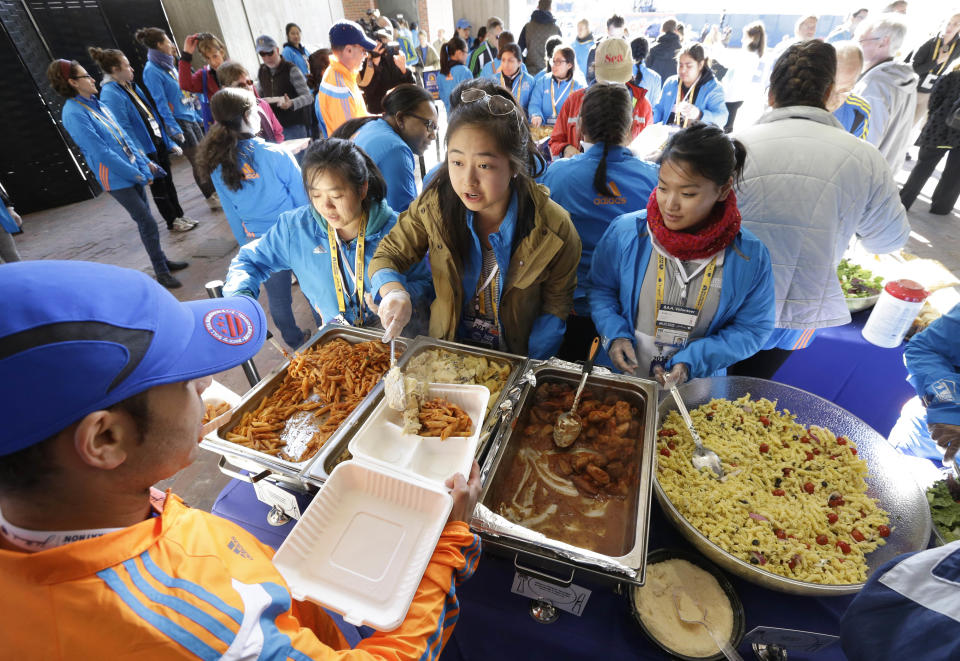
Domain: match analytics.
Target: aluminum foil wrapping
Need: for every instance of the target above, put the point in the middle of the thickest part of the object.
(488, 521)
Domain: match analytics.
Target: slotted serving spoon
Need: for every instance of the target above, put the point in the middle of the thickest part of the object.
(693, 613)
(394, 389)
(702, 457)
(567, 427)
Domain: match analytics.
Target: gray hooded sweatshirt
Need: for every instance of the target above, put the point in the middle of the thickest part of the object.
(891, 89)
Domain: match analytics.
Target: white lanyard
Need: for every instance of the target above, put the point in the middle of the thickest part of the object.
(349, 272)
(563, 92)
(41, 540)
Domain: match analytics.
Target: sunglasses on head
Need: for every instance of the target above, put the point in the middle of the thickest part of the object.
(494, 103)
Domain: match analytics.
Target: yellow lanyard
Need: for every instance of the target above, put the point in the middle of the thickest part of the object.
(359, 268)
(563, 91)
(936, 51)
(114, 129)
(136, 99)
(704, 287)
(688, 97)
(516, 83)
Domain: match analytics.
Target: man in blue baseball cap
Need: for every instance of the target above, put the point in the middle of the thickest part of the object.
(463, 31)
(339, 97)
(102, 371)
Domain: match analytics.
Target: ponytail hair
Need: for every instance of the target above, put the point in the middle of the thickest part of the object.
(758, 38)
(705, 150)
(447, 52)
(605, 117)
(220, 147)
(350, 162)
(108, 59)
(150, 37)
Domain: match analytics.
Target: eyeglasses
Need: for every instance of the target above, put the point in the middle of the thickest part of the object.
(243, 83)
(83, 76)
(429, 123)
(495, 104)
(561, 61)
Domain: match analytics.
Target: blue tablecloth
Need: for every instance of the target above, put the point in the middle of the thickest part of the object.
(841, 366)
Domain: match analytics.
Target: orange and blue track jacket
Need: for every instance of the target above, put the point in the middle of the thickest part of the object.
(190, 585)
(339, 97)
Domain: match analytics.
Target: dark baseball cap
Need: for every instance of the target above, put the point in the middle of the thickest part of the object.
(78, 337)
(348, 33)
(265, 44)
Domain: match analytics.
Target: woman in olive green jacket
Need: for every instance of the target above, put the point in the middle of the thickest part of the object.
(503, 255)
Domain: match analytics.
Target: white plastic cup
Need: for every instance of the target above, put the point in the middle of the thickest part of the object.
(891, 318)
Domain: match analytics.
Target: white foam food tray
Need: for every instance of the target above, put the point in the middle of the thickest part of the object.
(381, 441)
(363, 544)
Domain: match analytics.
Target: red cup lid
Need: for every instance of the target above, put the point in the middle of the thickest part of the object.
(907, 290)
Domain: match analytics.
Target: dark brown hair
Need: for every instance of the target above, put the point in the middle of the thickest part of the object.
(696, 53)
(349, 161)
(758, 38)
(804, 75)
(60, 82)
(570, 57)
(107, 59)
(150, 37)
(401, 100)
(220, 147)
(447, 52)
(319, 60)
(605, 116)
(512, 139)
(706, 150)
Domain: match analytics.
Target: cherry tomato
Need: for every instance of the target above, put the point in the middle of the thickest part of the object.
(665, 452)
(831, 517)
(780, 533)
(808, 487)
(805, 440)
(793, 563)
(779, 492)
(787, 471)
(667, 432)
(844, 547)
(816, 450)
(857, 535)
(765, 420)
(809, 456)
(822, 540)
(764, 447)
(853, 450)
(883, 530)
(841, 440)
(671, 445)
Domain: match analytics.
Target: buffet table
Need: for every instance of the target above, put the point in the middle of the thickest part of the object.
(841, 366)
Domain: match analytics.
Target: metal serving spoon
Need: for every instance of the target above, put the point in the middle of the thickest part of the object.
(567, 427)
(702, 457)
(394, 389)
(694, 613)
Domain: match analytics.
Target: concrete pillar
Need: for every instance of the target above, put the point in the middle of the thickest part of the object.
(513, 12)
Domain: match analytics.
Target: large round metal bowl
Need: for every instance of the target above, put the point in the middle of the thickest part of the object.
(897, 492)
(855, 304)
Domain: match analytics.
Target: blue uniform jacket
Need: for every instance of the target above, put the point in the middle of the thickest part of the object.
(582, 50)
(854, 114)
(522, 87)
(299, 242)
(709, 100)
(541, 103)
(124, 110)
(933, 363)
(272, 184)
(745, 314)
(460, 73)
(101, 146)
(570, 181)
(648, 79)
(164, 87)
(908, 609)
(394, 158)
(295, 57)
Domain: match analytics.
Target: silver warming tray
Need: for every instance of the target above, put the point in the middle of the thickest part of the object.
(536, 550)
(290, 474)
(894, 488)
(321, 469)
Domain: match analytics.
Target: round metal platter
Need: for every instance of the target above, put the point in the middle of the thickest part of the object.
(896, 491)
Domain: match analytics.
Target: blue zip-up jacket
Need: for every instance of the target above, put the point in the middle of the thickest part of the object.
(521, 89)
(648, 79)
(709, 100)
(582, 50)
(272, 184)
(101, 147)
(570, 181)
(121, 105)
(907, 609)
(745, 314)
(933, 363)
(854, 114)
(295, 57)
(164, 87)
(541, 104)
(394, 158)
(460, 73)
(299, 242)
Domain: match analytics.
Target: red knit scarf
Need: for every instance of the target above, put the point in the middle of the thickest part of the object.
(720, 230)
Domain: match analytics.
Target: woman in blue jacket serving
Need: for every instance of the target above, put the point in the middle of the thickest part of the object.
(119, 164)
(680, 290)
(693, 94)
(138, 118)
(257, 181)
(512, 77)
(328, 243)
(549, 92)
(621, 183)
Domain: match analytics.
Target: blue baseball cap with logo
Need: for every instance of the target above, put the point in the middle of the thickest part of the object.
(348, 33)
(463, 23)
(78, 337)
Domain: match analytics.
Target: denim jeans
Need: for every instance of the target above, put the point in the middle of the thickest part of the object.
(279, 291)
(134, 200)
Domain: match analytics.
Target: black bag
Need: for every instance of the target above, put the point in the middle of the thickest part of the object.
(952, 119)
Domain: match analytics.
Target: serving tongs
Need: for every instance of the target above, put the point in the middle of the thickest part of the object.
(702, 457)
(568, 425)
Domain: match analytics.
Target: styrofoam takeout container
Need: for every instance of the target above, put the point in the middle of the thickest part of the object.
(363, 544)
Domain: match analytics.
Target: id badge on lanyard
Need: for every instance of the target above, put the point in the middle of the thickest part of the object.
(675, 323)
(476, 328)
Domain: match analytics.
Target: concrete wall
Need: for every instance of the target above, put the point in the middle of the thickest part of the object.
(240, 22)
